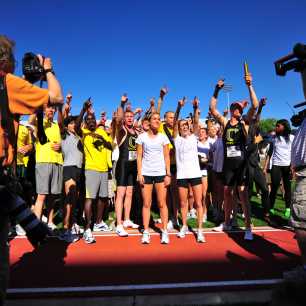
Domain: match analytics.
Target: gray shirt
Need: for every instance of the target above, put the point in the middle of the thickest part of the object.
(71, 153)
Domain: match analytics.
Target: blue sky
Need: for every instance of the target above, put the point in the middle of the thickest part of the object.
(105, 48)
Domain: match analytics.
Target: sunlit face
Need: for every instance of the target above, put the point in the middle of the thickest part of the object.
(236, 113)
(202, 134)
(212, 132)
(71, 127)
(129, 119)
(91, 122)
(169, 119)
(49, 112)
(145, 125)
(184, 128)
(279, 128)
(154, 122)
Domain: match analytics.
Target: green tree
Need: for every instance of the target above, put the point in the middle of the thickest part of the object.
(267, 125)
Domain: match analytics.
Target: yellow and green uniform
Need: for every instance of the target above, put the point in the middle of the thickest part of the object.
(45, 153)
(23, 139)
(97, 157)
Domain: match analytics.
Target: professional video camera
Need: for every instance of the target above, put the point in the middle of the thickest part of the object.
(296, 61)
(32, 70)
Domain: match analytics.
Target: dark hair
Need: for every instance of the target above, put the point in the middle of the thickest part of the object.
(7, 59)
(287, 129)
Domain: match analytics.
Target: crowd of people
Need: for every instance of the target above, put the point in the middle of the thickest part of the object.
(92, 165)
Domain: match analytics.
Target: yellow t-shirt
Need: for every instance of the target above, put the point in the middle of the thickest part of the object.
(44, 153)
(96, 155)
(23, 139)
(171, 149)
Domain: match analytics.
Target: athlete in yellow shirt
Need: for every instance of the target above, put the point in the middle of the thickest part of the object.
(96, 143)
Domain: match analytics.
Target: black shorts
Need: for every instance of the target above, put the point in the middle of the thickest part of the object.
(192, 181)
(126, 173)
(235, 172)
(72, 172)
(153, 179)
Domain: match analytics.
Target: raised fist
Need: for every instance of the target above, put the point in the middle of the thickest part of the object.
(248, 79)
(163, 91)
(124, 98)
(220, 83)
(152, 102)
(263, 101)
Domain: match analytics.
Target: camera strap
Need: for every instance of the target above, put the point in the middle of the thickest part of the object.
(7, 121)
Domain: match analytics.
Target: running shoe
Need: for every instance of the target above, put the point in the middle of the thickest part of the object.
(88, 237)
(145, 239)
(164, 237)
(67, 236)
(52, 227)
(200, 236)
(248, 235)
(130, 224)
(101, 227)
(76, 229)
(287, 213)
(170, 226)
(19, 230)
(222, 228)
(193, 213)
(120, 231)
(182, 233)
(272, 211)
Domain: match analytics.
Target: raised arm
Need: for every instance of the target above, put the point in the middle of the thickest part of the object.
(180, 104)
(254, 101)
(162, 94)
(120, 111)
(67, 107)
(213, 104)
(196, 115)
(86, 106)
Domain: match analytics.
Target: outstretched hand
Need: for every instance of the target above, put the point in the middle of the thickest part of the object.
(152, 102)
(196, 102)
(182, 102)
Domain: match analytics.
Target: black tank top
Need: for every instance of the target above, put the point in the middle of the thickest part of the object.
(127, 150)
(234, 140)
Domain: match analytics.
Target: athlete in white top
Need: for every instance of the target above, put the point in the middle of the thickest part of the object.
(188, 169)
(153, 168)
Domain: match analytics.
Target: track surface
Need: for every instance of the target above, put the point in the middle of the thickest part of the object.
(224, 258)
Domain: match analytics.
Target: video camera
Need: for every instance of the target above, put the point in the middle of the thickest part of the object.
(294, 61)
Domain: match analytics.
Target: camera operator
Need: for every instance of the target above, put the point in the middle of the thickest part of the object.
(298, 205)
(17, 97)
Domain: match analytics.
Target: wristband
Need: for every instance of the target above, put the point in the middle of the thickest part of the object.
(216, 91)
(49, 70)
(122, 104)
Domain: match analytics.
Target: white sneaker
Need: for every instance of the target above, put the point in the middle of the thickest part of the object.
(222, 228)
(204, 218)
(120, 231)
(19, 230)
(101, 227)
(200, 236)
(145, 239)
(130, 224)
(52, 226)
(76, 229)
(193, 213)
(248, 235)
(164, 237)
(183, 231)
(170, 226)
(88, 237)
(68, 236)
